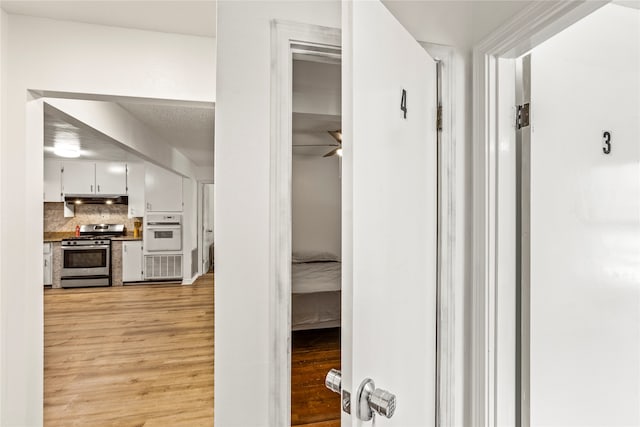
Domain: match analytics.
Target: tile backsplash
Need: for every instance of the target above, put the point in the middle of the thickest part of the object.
(54, 220)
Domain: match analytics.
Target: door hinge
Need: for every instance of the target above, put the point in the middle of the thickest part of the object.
(439, 118)
(522, 116)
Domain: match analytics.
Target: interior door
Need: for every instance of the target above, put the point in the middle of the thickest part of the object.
(585, 224)
(389, 208)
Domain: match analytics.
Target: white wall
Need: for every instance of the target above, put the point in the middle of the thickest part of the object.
(585, 224)
(59, 56)
(316, 88)
(3, 136)
(242, 202)
(316, 204)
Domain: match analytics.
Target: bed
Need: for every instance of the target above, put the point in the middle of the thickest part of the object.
(316, 291)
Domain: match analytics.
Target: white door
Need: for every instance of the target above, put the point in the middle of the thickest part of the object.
(163, 189)
(389, 205)
(111, 178)
(132, 261)
(207, 223)
(585, 224)
(78, 178)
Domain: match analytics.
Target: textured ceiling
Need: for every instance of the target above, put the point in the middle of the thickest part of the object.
(181, 17)
(189, 129)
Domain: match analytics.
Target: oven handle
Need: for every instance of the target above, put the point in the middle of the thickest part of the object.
(172, 224)
(85, 247)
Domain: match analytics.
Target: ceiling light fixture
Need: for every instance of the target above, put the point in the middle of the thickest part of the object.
(66, 151)
(66, 146)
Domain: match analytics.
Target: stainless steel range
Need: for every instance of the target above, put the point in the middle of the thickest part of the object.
(86, 260)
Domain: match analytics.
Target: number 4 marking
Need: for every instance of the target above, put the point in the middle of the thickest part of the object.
(606, 140)
(403, 103)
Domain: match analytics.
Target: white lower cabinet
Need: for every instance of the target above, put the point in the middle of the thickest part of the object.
(47, 266)
(132, 261)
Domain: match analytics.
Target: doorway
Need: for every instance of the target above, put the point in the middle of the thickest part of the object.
(71, 317)
(316, 237)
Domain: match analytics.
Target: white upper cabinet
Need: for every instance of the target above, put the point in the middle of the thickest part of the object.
(79, 178)
(52, 180)
(111, 178)
(135, 190)
(163, 189)
(107, 178)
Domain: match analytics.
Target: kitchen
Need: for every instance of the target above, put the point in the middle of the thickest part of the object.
(111, 217)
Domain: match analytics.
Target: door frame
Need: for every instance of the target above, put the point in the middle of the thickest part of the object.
(202, 251)
(287, 37)
(494, 353)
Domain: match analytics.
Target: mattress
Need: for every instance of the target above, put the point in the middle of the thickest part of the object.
(310, 277)
(316, 295)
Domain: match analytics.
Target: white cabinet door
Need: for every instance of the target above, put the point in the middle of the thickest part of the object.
(47, 266)
(389, 215)
(52, 180)
(78, 178)
(132, 261)
(135, 189)
(163, 189)
(111, 178)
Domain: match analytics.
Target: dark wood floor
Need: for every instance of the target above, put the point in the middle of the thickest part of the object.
(143, 356)
(314, 353)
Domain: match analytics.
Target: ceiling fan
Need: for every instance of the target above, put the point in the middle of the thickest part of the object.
(337, 135)
(337, 151)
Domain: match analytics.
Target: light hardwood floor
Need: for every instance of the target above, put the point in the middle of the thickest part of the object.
(143, 356)
(129, 356)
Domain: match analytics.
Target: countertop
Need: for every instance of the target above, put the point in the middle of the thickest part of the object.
(58, 236)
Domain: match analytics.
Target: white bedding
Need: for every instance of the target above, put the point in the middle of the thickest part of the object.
(313, 277)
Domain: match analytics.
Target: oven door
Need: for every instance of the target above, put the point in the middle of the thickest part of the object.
(85, 261)
(163, 238)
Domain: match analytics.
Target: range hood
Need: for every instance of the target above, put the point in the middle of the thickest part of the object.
(92, 199)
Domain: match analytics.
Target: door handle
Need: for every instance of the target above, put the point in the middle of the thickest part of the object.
(371, 400)
(333, 382)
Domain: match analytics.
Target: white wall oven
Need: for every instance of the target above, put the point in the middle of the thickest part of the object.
(163, 233)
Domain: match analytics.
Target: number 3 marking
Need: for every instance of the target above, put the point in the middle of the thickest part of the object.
(607, 142)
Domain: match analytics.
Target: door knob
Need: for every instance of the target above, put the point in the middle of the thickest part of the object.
(333, 381)
(371, 400)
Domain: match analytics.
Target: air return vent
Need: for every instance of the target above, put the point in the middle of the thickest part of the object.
(163, 267)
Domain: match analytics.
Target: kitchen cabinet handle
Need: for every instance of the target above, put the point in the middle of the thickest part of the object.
(92, 188)
(98, 188)
(45, 262)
